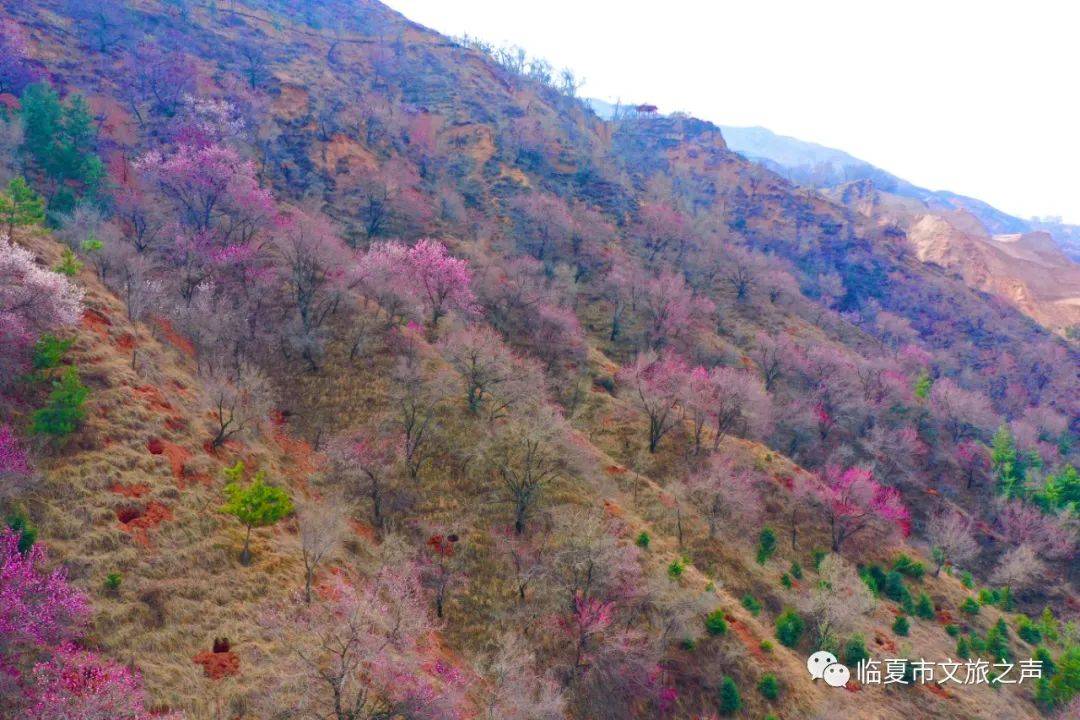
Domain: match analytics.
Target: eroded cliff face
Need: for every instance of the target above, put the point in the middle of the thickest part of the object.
(1027, 270)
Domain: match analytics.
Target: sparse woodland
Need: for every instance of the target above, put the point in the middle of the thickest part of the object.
(349, 371)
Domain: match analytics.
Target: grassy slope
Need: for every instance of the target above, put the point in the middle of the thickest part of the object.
(190, 557)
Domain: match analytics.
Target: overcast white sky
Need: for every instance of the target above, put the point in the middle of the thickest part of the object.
(975, 97)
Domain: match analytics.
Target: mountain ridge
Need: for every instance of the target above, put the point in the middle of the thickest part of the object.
(526, 316)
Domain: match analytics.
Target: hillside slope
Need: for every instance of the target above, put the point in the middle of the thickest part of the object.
(561, 374)
(1027, 269)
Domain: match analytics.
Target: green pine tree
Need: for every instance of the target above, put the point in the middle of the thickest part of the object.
(923, 384)
(256, 505)
(730, 700)
(61, 139)
(1005, 462)
(64, 411)
(20, 206)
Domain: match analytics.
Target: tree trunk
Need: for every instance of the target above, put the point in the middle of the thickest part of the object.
(245, 554)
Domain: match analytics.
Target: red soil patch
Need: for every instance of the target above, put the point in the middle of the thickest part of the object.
(217, 665)
(747, 638)
(885, 643)
(96, 321)
(138, 520)
(126, 342)
(156, 446)
(853, 687)
(614, 470)
(154, 398)
(363, 530)
(932, 491)
(136, 490)
(945, 617)
(174, 338)
(612, 509)
(128, 514)
(176, 424)
(178, 458)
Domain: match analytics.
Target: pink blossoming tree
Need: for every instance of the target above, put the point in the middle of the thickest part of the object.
(33, 301)
(657, 386)
(855, 502)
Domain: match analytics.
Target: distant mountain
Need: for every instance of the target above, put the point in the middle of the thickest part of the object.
(1029, 263)
(811, 164)
(818, 166)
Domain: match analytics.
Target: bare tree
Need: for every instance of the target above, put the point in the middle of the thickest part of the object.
(951, 539)
(1020, 569)
(358, 655)
(418, 395)
(518, 688)
(238, 400)
(366, 465)
(838, 601)
(724, 495)
(525, 458)
(321, 524)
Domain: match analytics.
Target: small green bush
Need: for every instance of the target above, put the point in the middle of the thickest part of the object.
(967, 580)
(1028, 631)
(69, 264)
(643, 540)
(901, 626)
(907, 566)
(997, 641)
(1048, 665)
(730, 700)
(963, 648)
(1048, 624)
(751, 604)
(676, 568)
(855, 650)
(49, 352)
(924, 607)
(785, 580)
(789, 628)
(796, 570)
(817, 555)
(113, 581)
(715, 623)
(64, 411)
(766, 646)
(766, 545)
(21, 526)
(969, 606)
(874, 578)
(952, 630)
(769, 686)
(91, 244)
(894, 587)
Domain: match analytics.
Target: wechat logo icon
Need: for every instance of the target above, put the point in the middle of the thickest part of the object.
(823, 665)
